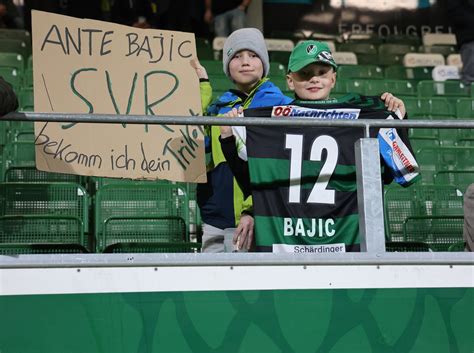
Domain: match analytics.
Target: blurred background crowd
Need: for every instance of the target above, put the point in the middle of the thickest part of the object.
(182, 15)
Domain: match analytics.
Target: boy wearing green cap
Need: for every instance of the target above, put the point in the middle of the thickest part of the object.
(312, 76)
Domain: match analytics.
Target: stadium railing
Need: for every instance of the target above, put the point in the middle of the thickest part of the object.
(369, 200)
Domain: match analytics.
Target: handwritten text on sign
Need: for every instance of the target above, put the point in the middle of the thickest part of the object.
(86, 66)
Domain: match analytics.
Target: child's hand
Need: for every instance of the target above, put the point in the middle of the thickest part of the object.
(234, 112)
(243, 236)
(393, 103)
(226, 131)
(200, 70)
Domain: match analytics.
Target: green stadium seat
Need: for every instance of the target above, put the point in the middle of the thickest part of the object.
(396, 87)
(366, 52)
(141, 213)
(444, 50)
(28, 79)
(364, 38)
(99, 182)
(464, 157)
(465, 108)
(44, 213)
(448, 137)
(21, 125)
(360, 71)
(411, 104)
(432, 89)
(21, 135)
(399, 72)
(459, 178)
(466, 142)
(12, 76)
(440, 200)
(33, 234)
(4, 127)
(340, 87)
(153, 247)
(29, 63)
(399, 204)
(33, 175)
(419, 202)
(18, 34)
(26, 99)
(41, 248)
(404, 39)
(436, 159)
(422, 142)
(367, 59)
(12, 60)
(392, 54)
(420, 116)
(439, 232)
(436, 106)
(457, 247)
(355, 86)
(103, 181)
(16, 46)
(52, 199)
(466, 137)
(204, 49)
(277, 69)
(281, 57)
(19, 154)
(163, 234)
(345, 58)
(400, 87)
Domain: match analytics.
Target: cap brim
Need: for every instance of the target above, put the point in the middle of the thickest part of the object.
(308, 61)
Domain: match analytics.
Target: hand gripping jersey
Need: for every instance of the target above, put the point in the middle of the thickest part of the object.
(304, 179)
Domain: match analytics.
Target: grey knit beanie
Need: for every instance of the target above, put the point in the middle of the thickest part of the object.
(245, 39)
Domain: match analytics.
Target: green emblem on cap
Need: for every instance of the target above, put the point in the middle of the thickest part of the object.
(230, 51)
(311, 49)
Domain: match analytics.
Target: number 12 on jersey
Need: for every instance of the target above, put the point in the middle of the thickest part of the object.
(319, 193)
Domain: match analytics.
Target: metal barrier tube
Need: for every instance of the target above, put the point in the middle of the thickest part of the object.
(247, 121)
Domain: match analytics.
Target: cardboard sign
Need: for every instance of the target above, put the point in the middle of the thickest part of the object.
(94, 67)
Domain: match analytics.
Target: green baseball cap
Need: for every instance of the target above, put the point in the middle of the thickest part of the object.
(308, 52)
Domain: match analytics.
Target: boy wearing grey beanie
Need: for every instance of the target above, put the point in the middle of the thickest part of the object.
(225, 212)
(250, 39)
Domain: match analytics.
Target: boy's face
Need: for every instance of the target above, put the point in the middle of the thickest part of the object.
(313, 82)
(246, 69)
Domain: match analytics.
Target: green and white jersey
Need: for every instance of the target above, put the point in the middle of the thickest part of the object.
(304, 179)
